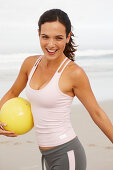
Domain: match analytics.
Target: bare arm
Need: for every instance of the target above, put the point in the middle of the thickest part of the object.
(18, 85)
(14, 91)
(82, 90)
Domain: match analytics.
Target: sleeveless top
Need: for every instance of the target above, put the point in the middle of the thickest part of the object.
(51, 110)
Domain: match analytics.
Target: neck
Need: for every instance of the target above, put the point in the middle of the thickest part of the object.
(51, 64)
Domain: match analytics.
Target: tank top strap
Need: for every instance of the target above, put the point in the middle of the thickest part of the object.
(61, 64)
(34, 67)
(64, 65)
(37, 61)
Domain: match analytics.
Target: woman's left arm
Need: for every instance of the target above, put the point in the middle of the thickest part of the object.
(83, 91)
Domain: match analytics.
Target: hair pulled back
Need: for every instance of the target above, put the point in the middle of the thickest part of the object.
(59, 15)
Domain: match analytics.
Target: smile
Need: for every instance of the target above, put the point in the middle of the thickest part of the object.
(51, 52)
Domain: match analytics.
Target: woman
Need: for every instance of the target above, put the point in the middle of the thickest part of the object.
(51, 82)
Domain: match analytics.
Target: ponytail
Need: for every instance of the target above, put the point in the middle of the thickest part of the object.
(70, 48)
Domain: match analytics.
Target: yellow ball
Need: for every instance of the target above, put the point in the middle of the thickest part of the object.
(16, 113)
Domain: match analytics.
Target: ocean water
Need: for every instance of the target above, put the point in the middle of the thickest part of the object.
(98, 65)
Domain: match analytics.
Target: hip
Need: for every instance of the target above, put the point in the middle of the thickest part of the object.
(70, 154)
(46, 148)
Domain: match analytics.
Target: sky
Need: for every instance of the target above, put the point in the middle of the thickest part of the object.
(91, 20)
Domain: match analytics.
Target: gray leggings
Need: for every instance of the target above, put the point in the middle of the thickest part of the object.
(68, 156)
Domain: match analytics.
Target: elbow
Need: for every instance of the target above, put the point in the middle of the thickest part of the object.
(98, 115)
(6, 97)
(12, 93)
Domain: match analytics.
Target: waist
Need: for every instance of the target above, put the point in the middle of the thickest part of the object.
(49, 140)
(46, 148)
(65, 141)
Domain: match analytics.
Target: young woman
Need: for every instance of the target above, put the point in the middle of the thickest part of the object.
(51, 82)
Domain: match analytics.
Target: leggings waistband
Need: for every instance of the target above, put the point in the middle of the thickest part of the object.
(64, 147)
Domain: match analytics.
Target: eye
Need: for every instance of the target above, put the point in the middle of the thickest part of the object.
(59, 38)
(45, 37)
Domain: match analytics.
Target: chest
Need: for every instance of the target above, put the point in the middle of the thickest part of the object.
(41, 78)
(49, 95)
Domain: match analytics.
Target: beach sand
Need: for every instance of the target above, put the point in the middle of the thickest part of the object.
(22, 153)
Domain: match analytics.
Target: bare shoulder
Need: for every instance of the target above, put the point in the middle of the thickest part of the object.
(75, 70)
(76, 73)
(29, 62)
(31, 59)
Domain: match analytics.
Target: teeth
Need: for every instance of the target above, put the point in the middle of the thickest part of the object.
(51, 51)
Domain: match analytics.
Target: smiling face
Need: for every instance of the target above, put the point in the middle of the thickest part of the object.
(53, 39)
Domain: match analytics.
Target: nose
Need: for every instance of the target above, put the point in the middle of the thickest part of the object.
(51, 43)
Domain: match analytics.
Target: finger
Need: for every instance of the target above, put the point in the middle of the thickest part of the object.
(2, 124)
(6, 133)
(9, 135)
(1, 127)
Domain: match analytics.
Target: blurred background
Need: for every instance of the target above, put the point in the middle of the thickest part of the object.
(92, 22)
(92, 25)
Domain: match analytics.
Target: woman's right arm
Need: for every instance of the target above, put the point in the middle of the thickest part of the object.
(15, 90)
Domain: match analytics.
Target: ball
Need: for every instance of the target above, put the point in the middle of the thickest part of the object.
(16, 113)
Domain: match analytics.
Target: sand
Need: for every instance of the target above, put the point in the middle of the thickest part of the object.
(22, 153)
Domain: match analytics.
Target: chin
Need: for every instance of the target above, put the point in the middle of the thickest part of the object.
(51, 57)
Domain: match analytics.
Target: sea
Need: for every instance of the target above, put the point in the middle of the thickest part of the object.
(22, 152)
(97, 64)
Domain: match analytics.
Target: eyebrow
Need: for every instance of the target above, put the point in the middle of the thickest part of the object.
(59, 35)
(55, 36)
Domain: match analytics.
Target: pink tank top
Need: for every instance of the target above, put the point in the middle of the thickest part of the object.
(51, 111)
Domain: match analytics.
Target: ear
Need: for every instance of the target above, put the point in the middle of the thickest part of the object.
(68, 38)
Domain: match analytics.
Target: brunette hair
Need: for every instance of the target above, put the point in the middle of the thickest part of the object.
(62, 17)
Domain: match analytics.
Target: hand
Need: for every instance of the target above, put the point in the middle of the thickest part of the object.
(6, 133)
